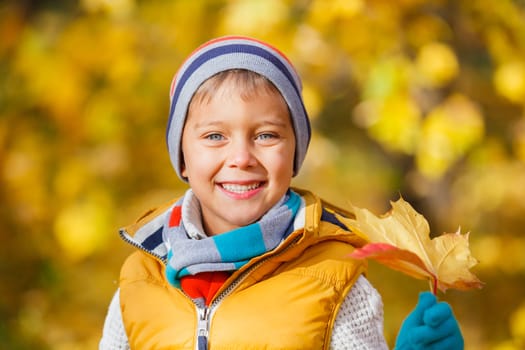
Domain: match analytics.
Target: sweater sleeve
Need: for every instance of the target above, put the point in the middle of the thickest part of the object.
(359, 323)
(114, 335)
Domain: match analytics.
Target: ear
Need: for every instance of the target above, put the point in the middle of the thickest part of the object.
(183, 167)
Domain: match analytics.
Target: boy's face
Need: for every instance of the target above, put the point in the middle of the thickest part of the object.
(238, 156)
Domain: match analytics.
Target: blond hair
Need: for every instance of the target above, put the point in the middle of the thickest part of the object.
(247, 83)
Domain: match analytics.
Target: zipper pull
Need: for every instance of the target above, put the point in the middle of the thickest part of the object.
(203, 328)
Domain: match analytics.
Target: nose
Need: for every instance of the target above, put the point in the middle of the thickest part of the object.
(241, 155)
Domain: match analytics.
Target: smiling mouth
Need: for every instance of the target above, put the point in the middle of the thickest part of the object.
(236, 188)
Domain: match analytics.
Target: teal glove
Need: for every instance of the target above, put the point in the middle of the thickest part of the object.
(430, 326)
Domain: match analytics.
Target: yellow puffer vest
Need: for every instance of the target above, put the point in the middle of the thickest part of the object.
(285, 299)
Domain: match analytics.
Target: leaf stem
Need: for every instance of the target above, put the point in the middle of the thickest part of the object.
(434, 281)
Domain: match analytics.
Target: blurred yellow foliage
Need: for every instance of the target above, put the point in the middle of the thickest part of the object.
(54, 83)
(24, 176)
(252, 17)
(312, 100)
(397, 124)
(517, 330)
(426, 29)
(448, 132)
(420, 98)
(81, 227)
(325, 12)
(519, 139)
(517, 325)
(437, 64)
(113, 7)
(509, 81)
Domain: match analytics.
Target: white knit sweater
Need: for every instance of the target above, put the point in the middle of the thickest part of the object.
(358, 326)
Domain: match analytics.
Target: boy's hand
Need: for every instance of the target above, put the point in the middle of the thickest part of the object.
(430, 326)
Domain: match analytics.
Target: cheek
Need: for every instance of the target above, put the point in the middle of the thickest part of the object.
(191, 158)
(199, 163)
(289, 158)
(282, 164)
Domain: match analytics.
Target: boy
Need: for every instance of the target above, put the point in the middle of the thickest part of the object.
(242, 261)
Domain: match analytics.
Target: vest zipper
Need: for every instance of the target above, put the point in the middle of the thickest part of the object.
(203, 327)
(205, 314)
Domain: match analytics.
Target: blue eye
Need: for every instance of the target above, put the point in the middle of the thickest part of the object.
(266, 136)
(215, 137)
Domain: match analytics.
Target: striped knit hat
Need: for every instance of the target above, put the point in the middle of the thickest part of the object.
(235, 52)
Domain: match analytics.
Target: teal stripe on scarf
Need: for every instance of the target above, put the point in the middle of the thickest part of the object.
(248, 242)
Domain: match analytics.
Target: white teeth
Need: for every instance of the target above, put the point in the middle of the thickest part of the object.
(240, 188)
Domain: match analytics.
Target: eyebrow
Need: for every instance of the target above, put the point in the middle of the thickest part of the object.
(268, 121)
(276, 122)
(207, 123)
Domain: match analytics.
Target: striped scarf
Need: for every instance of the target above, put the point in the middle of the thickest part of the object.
(191, 252)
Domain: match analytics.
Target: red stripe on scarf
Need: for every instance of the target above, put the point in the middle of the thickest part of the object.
(203, 285)
(176, 215)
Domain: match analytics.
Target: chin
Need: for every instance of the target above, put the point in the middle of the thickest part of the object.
(240, 222)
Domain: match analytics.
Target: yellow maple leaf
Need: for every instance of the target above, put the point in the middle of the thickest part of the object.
(400, 240)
